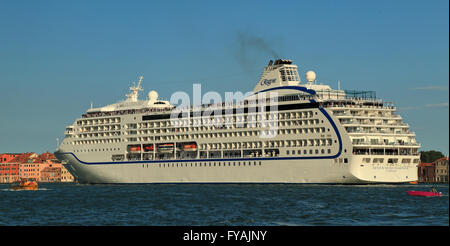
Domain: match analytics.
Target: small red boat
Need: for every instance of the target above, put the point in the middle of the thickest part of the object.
(423, 193)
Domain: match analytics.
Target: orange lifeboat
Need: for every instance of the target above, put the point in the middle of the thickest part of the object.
(135, 148)
(25, 185)
(148, 148)
(190, 147)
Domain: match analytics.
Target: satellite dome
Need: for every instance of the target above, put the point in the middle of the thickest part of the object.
(152, 96)
(310, 76)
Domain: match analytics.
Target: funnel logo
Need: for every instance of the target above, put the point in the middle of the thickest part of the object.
(268, 82)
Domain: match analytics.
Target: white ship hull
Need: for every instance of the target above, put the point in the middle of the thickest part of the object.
(321, 171)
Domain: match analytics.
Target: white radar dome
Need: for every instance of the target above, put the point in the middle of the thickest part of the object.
(152, 95)
(310, 76)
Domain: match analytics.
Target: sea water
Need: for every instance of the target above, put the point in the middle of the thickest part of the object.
(223, 205)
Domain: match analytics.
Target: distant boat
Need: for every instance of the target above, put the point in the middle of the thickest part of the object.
(413, 182)
(24, 185)
(423, 193)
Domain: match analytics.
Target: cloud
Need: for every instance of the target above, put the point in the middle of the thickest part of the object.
(408, 108)
(431, 88)
(437, 105)
(434, 105)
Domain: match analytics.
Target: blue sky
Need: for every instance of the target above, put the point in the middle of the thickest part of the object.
(58, 56)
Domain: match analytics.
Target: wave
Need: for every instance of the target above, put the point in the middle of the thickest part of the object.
(8, 189)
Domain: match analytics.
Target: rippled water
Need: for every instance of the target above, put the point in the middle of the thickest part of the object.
(223, 204)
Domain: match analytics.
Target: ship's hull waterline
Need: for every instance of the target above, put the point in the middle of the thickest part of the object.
(236, 171)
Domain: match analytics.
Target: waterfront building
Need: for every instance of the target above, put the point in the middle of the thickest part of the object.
(10, 166)
(9, 172)
(426, 172)
(42, 168)
(50, 174)
(6, 157)
(27, 170)
(435, 172)
(441, 168)
(65, 175)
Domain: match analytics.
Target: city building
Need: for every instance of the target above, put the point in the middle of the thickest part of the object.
(9, 172)
(435, 172)
(50, 174)
(5, 158)
(441, 170)
(42, 168)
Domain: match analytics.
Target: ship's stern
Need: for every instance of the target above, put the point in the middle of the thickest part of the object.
(384, 168)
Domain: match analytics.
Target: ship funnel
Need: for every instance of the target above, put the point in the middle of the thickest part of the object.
(279, 73)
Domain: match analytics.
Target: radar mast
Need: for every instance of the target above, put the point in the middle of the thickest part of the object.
(133, 95)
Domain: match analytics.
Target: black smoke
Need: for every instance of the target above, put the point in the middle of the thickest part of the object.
(251, 47)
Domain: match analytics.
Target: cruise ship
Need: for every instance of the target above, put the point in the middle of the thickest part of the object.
(284, 131)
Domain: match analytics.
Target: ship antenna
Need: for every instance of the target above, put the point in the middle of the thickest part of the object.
(133, 96)
(139, 82)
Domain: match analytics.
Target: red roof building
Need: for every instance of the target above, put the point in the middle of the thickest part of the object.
(9, 172)
(435, 172)
(42, 168)
(5, 158)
